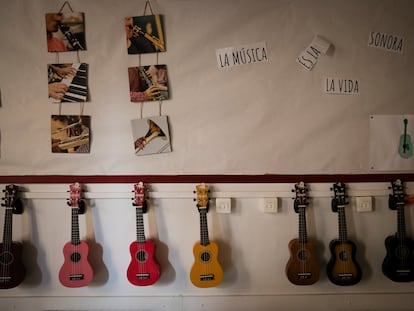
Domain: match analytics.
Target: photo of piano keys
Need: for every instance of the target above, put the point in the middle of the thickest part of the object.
(70, 133)
(68, 82)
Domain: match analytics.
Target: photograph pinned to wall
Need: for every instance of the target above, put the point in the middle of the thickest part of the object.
(391, 142)
(147, 83)
(151, 135)
(144, 34)
(65, 31)
(68, 82)
(70, 133)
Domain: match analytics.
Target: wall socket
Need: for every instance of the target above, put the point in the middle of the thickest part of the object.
(223, 205)
(364, 204)
(269, 205)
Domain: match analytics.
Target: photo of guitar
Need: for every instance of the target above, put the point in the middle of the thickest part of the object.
(302, 267)
(405, 148)
(76, 270)
(398, 264)
(143, 269)
(342, 268)
(206, 270)
(12, 271)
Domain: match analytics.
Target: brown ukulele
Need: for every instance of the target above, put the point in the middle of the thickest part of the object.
(302, 267)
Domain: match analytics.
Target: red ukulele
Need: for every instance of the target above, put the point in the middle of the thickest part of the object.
(143, 269)
(76, 270)
(12, 271)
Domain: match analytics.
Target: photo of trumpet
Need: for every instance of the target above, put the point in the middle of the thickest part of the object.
(156, 138)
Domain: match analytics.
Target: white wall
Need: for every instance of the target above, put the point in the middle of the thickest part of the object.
(264, 118)
(253, 249)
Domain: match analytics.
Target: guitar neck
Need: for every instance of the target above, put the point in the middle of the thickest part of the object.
(343, 235)
(75, 239)
(204, 240)
(140, 225)
(303, 236)
(8, 226)
(401, 221)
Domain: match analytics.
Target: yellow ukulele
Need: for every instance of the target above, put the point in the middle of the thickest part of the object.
(206, 270)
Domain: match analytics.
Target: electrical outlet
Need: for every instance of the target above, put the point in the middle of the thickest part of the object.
(269, 205)
(364, 204)
(223, 205)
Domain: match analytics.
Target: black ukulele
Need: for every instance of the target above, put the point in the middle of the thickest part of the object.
(398, 264)
(12, 271)
(342, 268)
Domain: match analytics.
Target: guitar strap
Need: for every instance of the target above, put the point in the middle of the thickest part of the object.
(152, 222)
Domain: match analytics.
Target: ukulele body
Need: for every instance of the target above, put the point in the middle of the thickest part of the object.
(342, 268)
(398, 264)
(12, 271)
(143, 269)
(76, 270)
(206, 270)
(302, 267)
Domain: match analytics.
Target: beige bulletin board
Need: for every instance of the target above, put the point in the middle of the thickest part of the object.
(272, 116)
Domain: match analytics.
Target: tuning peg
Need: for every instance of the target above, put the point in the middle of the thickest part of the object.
(68, 202)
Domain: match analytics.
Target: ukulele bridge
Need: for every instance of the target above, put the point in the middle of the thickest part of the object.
(143, 276)
(207, 277)
(76, 277)
(345, 276)
(304, 275)
(5, 279)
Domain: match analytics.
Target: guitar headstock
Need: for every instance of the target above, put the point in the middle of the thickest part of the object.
(397, 198)
(301, 199)
(202, 191)
(11, 199)
(75, 199)
(139, 199)
(340, 197)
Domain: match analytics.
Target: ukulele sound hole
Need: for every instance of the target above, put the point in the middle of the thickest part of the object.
(205, 256)
(75, 257)
(343, 255)
(6, 258)
(401, 252)
(141, 256)
(303, 255)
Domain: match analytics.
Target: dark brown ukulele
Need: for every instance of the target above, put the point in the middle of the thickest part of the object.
(12, 271)
(302, 267)
(342, 268)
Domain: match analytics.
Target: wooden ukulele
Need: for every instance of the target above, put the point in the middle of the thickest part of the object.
(398, 264)
(12, 271)
(302, 267)
(76, 270)
(143, 269)
(206, 270)
(342, 268)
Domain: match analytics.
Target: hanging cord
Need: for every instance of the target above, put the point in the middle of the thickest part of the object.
(141, 106)
(148, 4)
(64, 4)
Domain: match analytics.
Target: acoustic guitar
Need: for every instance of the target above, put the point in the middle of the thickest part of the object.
(398, 264)
(206, 270)
(143, 269)
(76, 270)
(343, 268)
(302, 267)
(12, 271)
